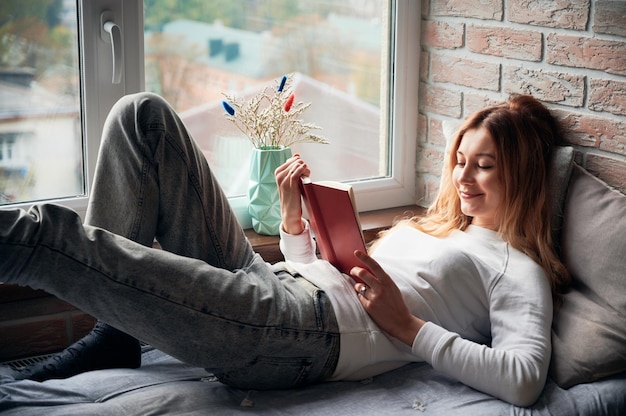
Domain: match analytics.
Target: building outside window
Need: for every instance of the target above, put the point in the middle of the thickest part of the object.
(40, 141)
(344, 58)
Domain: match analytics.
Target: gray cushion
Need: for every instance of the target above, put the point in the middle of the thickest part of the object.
(589, 329)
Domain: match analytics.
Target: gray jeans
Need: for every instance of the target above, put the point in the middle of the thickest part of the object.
(206, 298)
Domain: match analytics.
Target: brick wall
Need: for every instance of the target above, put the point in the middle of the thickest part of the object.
(33, 322)
(570, 54)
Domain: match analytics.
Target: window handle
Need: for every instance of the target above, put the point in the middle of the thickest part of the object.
(111, 33)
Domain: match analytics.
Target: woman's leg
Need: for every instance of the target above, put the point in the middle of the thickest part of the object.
(252, 326)
(186, 307)
(127, 201)
(152, 181)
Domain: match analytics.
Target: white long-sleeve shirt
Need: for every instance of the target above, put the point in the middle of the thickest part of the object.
(487, 307)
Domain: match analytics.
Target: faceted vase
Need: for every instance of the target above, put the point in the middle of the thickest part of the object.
(263, 199)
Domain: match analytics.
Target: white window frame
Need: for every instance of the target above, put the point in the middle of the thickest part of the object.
(399, 188)
(99, 94)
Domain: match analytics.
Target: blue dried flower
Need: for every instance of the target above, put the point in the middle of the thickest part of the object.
(282, 84)
(228, 108)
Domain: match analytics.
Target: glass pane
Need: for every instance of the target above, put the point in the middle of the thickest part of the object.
(336, 51)
(40, 132)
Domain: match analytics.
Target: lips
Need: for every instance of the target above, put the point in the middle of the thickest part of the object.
(469, 195)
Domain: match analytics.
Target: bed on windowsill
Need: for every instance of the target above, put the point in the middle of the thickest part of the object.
(587, 374)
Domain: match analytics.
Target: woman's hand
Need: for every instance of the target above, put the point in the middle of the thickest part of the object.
(383, 301)
(288, 179)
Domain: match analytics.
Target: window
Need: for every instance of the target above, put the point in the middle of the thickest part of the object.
(41, 149)
(355, 61)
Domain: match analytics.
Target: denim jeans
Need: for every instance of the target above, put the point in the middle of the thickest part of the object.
(206, 298)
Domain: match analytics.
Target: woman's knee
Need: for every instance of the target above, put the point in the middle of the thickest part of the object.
(131, 102)
(144, 108)
(135, 118)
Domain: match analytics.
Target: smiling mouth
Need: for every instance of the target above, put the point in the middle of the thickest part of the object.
(467, 195)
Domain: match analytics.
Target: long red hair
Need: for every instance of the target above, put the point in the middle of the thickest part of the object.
(525, 133)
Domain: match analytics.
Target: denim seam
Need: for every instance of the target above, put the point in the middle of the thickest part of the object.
(198, 190)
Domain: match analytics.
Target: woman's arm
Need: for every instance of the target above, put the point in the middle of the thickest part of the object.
(513, 368)
(288, 180)
(296, 241)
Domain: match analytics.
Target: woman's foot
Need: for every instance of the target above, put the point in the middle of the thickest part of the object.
(104, 347)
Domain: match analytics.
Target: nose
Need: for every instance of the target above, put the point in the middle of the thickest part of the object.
(465, 174)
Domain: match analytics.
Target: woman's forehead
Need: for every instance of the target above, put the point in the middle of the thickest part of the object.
(477, 142)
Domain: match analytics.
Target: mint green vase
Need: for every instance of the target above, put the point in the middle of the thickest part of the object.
(263, 199)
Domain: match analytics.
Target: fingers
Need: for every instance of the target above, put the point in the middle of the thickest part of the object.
(371, 278)
(292, 170)
(371, 265)
(288, 178)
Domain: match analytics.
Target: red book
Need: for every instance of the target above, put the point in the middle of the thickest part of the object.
(334, 218)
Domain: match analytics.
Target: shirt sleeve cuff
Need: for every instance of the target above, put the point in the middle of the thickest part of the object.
(299, 248)
(428, 340)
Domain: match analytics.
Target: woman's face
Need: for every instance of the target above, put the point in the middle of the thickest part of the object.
(477, 179)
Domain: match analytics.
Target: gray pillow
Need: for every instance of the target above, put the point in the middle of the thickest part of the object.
(589, 329)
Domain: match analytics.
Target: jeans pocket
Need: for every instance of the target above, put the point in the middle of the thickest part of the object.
(265, 373)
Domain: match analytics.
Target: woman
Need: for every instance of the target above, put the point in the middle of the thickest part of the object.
(467, 288)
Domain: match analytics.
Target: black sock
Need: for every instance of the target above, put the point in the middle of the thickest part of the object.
(104, 347)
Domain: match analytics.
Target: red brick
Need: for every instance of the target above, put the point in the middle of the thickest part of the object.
(504, 42)
(467, 72)
(425, 8)
(33, 307)
(600, 132)
(584, 52)
(566, 14)
(422, 129)
(435, 133)
(426, 189)
(610, 170)
(614, 138)
(424, 65)
(480, 9)
(429, 160)
(443, 35)
(421, 196)
(554, 87)
(476, 102)
(432, 188)
(32, 338)
(440, 100)
(607, 95)
(81, 325)
(610, 17)
(575, 134)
